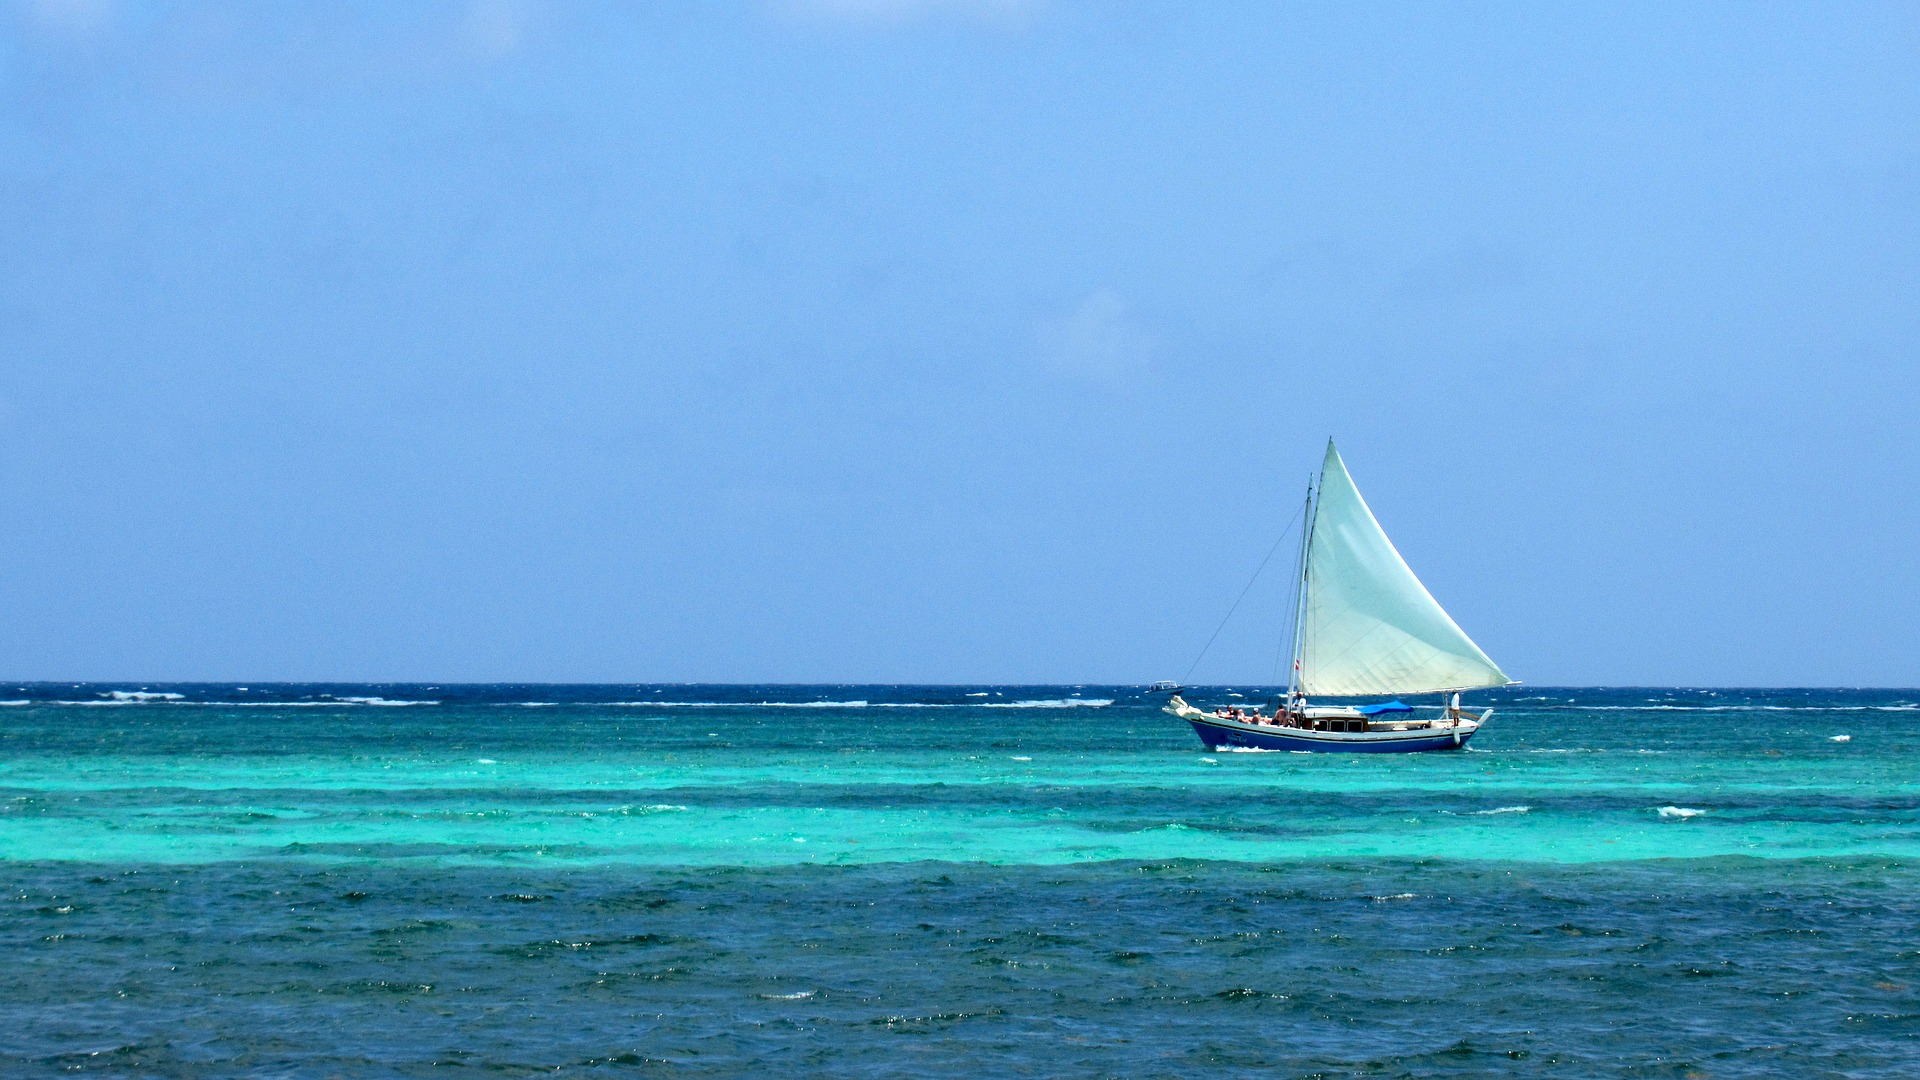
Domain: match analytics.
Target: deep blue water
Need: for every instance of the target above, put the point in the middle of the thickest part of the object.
(907, 881)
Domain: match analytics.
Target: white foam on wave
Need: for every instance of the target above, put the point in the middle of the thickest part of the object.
(1021, 758)
(142, 696)
(330, 704)
(1394, 896)
(1254, 750)
(22, 701)
(1902, 707)
(538, 704)
(1047, 703)
(746, 704)
(1680, 812)
(1841, 738)
(801, 996)
(1502, 810)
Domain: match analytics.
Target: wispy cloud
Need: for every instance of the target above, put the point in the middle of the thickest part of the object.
(71, 16)
(496, 27)
(1099, 340)
(893, 12)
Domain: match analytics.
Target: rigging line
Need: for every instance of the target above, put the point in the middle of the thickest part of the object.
(1236, 603)
(1284, 645)
(1295, 590)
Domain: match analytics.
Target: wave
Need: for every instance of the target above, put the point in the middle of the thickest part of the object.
(174, 700)
(143, 696)
(1048, 703)
(1680, 812)
(1840, 738)
(1502, 810)
(1903, 707)
(740, 704)
(131, 698)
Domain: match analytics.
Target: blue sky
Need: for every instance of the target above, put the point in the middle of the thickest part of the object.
(935, 340)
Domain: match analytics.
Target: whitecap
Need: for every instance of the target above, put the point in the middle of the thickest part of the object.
(1019, 758)
(1395, 896)
(22, 701)
(1052, 703)
(485, 761)
(1503, 810)
(1681, 812)
(379, 701)
(1841, 738)
(142, 696)
(746, 704)
(801, 996)
(1736, 708)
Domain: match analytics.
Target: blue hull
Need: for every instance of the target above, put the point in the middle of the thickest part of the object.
(1240, 735)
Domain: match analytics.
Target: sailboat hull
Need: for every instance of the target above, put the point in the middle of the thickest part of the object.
(1219, 733)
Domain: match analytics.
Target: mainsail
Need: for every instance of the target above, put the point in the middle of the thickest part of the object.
(1368, 626)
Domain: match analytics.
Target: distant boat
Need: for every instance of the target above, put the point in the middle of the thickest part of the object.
(1363, 626)
(1164, 686)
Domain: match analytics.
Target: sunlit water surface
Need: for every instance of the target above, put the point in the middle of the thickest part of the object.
(887, 881)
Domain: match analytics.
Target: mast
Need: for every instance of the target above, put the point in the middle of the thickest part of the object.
(1300, 593)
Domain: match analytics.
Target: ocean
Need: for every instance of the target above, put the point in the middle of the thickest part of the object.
(889, 881)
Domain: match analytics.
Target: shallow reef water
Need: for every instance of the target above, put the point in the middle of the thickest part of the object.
(910, 881)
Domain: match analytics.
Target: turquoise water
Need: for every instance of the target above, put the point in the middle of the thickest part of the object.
(308, 880)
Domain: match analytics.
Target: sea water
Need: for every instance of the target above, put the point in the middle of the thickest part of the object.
(909, 881)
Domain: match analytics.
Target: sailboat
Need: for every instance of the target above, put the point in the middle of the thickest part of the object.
(1363, 626)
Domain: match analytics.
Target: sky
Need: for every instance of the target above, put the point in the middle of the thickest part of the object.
(950, 340)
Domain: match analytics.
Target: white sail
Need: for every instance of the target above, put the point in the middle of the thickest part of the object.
(1368, 625)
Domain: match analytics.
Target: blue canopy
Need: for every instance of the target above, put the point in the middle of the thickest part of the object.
(1396, 705)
